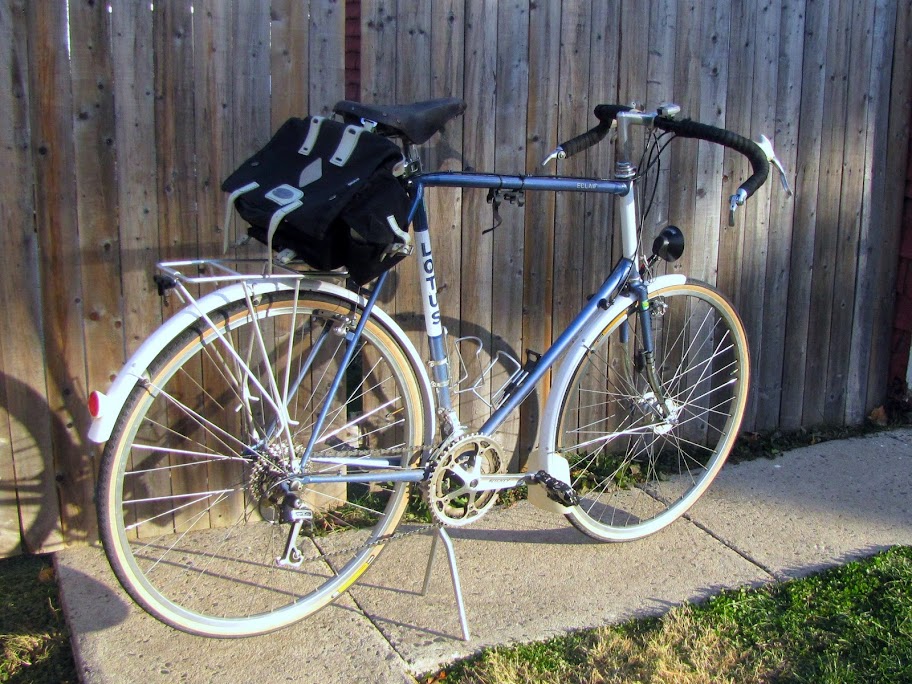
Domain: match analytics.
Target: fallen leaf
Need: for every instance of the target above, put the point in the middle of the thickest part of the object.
(879, 416)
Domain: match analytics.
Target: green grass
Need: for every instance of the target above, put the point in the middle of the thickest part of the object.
(33, 635)
(848, 624)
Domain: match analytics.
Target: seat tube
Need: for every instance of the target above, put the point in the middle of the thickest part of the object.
(439, 364)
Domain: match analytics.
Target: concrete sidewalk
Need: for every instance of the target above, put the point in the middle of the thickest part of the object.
(526, 575)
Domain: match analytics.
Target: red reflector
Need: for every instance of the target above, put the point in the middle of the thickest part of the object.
(95, 404)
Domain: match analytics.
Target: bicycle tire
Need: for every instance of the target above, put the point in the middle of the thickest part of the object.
(635, 469)
(189, 493)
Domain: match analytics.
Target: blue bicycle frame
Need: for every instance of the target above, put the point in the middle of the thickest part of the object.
(621, 274)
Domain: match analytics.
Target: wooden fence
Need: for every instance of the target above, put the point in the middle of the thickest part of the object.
(120, 119)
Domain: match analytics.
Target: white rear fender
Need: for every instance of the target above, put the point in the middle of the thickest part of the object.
(544, 458)
(106, 407)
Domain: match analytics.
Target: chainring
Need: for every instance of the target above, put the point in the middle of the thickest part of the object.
(449, 490)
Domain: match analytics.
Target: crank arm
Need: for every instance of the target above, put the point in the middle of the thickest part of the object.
(490, 483)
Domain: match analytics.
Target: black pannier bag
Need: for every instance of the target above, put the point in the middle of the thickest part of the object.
(328, 192)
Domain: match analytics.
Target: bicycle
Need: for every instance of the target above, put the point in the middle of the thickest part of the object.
(260, 445)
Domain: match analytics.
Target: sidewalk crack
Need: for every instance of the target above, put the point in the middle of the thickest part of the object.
(406, 669)
(734, 548)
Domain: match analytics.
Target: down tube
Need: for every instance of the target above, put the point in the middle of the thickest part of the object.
(608, 289)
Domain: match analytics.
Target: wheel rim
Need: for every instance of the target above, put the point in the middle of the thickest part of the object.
(192, 516)
(639, 461)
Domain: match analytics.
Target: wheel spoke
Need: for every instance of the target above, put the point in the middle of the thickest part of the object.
(197, 493)
(642, 457)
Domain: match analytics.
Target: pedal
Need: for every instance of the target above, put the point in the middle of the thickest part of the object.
(557, 490)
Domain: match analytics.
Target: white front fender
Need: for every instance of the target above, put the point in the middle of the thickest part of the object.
(109, 405)
(544, 457)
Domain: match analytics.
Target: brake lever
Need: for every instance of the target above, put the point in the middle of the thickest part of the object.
(764, 144)
(558, 153)
(740, 197)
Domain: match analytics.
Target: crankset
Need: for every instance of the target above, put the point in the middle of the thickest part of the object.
(458, 488)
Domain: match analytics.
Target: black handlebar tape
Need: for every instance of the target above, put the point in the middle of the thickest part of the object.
(585, 140)
(607, 113)
(692, 129)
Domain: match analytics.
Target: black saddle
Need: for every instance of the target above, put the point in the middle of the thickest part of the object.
(415, 122)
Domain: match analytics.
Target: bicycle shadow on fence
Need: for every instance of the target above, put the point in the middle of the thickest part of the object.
(524, 437)
(33, 486)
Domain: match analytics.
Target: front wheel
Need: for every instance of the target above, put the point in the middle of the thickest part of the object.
(639, 458)
(196, 495)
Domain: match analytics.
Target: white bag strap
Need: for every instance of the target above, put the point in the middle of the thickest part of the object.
(346, 145)
(312, 133)
(229, 211)
(274, 222)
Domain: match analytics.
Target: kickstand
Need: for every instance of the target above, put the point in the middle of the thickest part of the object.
(440, 534)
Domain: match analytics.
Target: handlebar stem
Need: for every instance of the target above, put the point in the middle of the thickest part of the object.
(625, 140)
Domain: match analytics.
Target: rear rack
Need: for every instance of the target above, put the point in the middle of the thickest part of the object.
(215, 271)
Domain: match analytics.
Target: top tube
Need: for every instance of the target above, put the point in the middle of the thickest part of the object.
(497, 181)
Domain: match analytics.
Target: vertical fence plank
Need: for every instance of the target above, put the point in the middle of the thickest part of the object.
(25, 428)
(58, 239)
(873, 228)
(290, 68)
(445, 154)
(713, 86)
(542, 134)
(756, 211)
(327, 55)
(175, 121)
(93, 108)
(217, 46)
(606, 86)
(213, 102)
(735, 168)
(687, 93)
(825, 248)
(574, 118)
(785, 139)
(660, 87)
(379, 57)
(136, 138)
(807, 181)
(478, 149)
(413, 83)
(512, 79)
(632, 46)
(860, 48)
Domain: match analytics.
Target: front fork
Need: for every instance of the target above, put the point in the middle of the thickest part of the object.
(646, 361)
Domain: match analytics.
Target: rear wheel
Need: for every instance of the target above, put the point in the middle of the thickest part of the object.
(194, 501)
(639, 459)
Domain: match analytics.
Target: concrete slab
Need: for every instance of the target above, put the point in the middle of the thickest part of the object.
(117, 642)
(817, 506)
(528, 575)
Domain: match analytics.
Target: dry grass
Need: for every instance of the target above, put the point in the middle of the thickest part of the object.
(845, 625)
(34, 640)
(679, 651)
